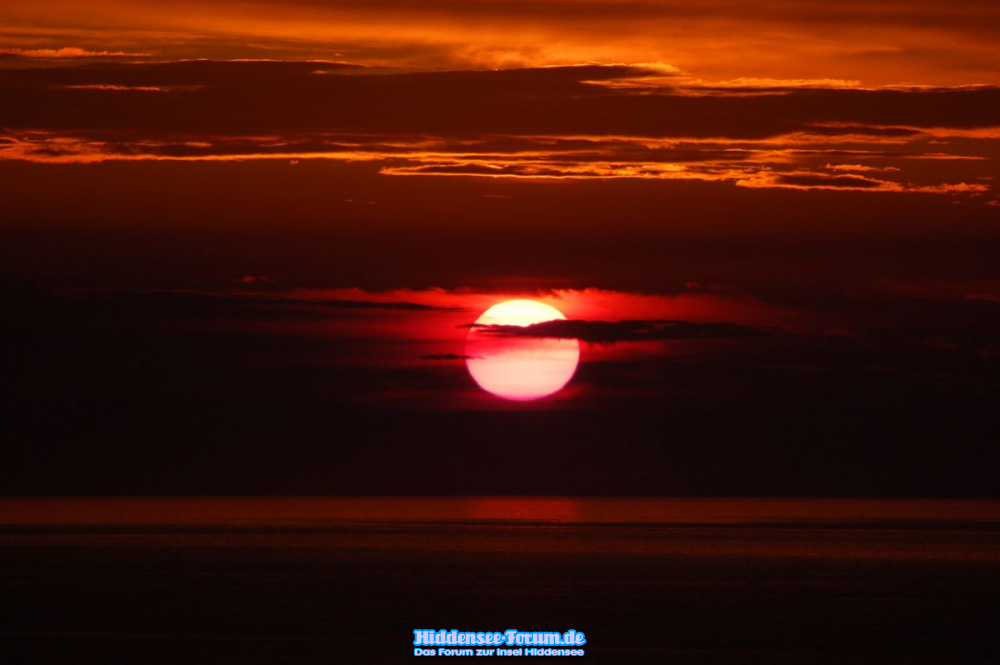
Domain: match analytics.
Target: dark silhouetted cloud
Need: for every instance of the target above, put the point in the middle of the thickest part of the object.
(448, 356)
(552, 122)
(609, 332)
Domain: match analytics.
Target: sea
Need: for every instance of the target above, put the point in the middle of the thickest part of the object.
(185, 580)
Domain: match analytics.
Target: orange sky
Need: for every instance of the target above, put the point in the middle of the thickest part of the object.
(873, 43)
(776, 155)
(231, 228)
(252, 235)
(889, 97)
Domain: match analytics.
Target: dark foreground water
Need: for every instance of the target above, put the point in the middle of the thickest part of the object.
(347, 580)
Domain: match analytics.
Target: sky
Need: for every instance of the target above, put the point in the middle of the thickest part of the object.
(243, 245)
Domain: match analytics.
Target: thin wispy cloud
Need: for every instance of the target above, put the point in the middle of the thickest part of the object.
(544, 123)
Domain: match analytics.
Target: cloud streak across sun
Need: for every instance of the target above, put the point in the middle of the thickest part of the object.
(411, 343)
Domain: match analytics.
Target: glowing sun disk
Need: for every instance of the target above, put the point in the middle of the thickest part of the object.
(515, 367)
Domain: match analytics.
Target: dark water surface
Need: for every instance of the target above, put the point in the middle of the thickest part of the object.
(330, 580)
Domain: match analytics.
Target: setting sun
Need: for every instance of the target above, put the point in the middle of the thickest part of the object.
(345, 330)
(517, 367)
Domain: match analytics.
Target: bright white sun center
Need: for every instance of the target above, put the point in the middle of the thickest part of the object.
(518, 367)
